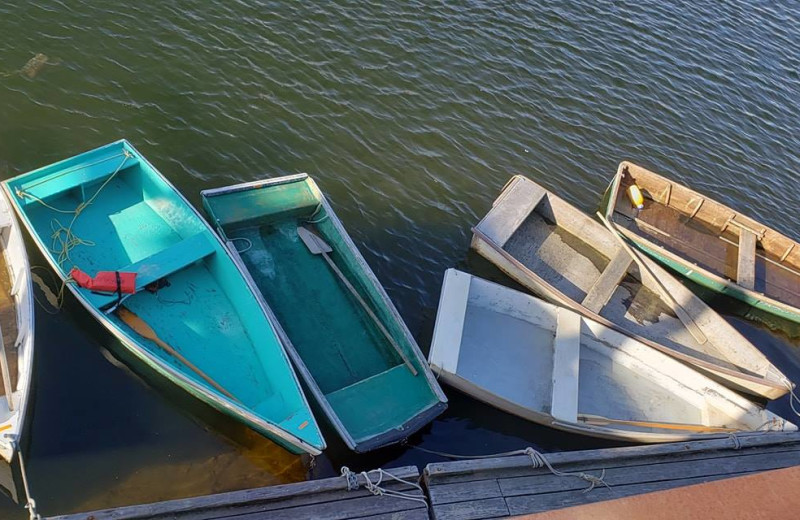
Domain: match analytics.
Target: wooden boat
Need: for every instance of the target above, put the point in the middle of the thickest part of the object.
(552, 366)
(560, 253)
(353, 351)
(16, 331)
(109, 209)
(708, 242)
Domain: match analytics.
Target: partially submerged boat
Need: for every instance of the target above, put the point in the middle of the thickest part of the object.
(562, 254)
(192, 318)
(552, 366)
(707, 242)
(342, 331)
(16, 331)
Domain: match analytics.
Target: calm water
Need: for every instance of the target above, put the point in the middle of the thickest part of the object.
(411, 116)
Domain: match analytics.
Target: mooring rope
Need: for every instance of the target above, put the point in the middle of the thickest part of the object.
(792, 397)
(538, 460)
(375, 487)
(30, 503)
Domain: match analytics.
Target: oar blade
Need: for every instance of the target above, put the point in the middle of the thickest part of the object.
(313, 242)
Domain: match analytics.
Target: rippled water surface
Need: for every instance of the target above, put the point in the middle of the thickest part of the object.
(411, 116)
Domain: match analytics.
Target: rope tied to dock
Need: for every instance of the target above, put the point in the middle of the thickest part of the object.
(538, 460)
(30, 503)
(375, 487)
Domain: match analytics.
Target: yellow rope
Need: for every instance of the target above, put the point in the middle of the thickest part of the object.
(63, 239)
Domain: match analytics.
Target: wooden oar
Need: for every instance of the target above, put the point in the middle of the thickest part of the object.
(599, 420)
(318, 246)
(680, 312)
(146, 331)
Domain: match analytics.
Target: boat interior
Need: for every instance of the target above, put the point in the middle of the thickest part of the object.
(550, 361)
(713, 236)
(109, 210)
(343, 351)
(580, 258)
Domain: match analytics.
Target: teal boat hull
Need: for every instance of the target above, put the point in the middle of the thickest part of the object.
(361, 383)
(109, 209)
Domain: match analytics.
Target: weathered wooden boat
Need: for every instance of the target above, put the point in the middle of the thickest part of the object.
(16, 331)
(342, 331)
(707, 242)
(550, 365)
(192, 319)
(562, 254)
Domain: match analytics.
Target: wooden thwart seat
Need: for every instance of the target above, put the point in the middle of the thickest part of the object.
(566, 362)
(746, 266)
(508, 213)
(159, 265)
(608, 281)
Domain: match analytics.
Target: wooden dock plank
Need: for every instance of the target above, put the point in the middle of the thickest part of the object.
(364, 507)
(329, 493)
(477, 469)
(472, 510)
(679, 469)
(475, 490)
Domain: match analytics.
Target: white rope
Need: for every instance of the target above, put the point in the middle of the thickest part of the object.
(375, 487)
(30, 504)
(246, 249)
(538, 460)
(792, 397)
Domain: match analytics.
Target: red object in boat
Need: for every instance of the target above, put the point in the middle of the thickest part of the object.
(106, 281)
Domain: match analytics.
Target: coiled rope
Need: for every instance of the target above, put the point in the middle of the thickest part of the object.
(63, 239)
(375, 487)
(538, 460)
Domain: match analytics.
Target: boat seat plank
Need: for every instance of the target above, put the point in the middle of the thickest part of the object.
(156, 266)
(607, 282)
(566, 361)
(59, 183)
(511, 211)
(746, 266)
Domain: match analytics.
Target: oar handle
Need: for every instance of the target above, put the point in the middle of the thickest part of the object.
(369, 312)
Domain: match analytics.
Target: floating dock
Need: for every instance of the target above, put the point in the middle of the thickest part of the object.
(489, 487)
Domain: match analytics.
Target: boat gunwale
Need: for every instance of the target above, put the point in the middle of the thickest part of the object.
(160, 366)
(12, 438)
(729, 287)
(396, 434)
(568, 302)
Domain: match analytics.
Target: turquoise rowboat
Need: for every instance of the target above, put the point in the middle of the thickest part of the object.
(110, 210)
(707, 242)
(353, 351)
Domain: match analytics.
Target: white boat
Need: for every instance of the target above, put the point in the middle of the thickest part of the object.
(16, 330)
(552, 366)
(560, 253)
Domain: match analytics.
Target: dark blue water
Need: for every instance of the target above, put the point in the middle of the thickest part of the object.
(411, 116)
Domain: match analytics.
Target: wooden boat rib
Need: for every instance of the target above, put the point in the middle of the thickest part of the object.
(16, 331)
(563, 255)
(708, 242)
(361, 382)
(111, 210)
(552, 366)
